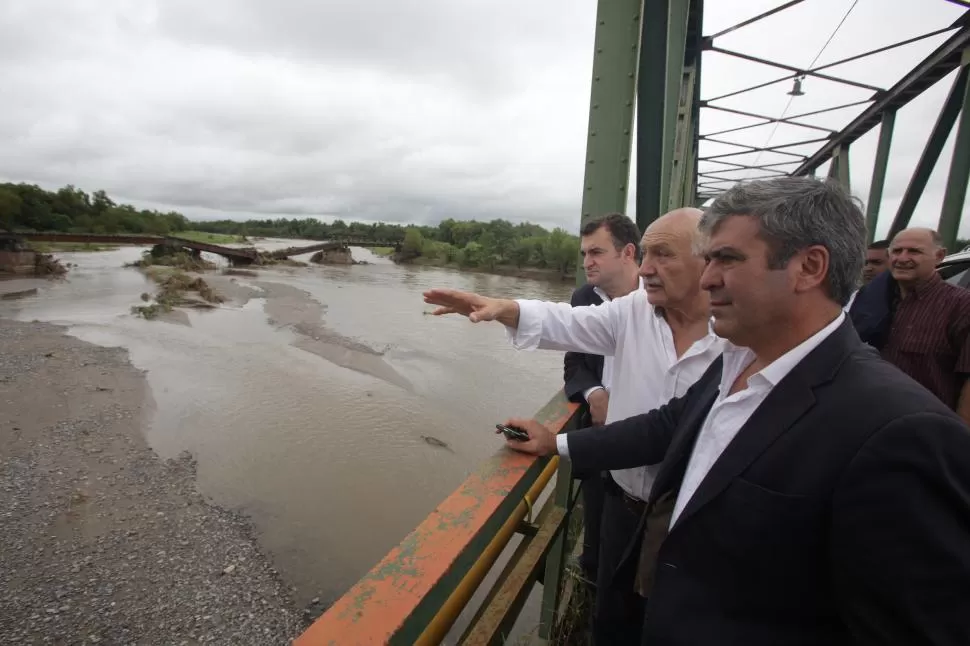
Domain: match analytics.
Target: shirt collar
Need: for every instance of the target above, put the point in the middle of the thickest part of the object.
(927, 286)
(778, 369)
(606, 298)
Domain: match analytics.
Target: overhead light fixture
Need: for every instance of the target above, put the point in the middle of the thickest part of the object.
(797, 87)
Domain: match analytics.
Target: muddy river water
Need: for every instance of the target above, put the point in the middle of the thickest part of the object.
(305, 402)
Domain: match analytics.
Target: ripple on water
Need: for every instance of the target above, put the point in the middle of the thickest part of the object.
(328, 459)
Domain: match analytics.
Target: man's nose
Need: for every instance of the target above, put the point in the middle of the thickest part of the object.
(710, 278)
(647, 268)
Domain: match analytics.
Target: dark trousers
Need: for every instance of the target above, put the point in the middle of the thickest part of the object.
(593, 493)
(619, 611)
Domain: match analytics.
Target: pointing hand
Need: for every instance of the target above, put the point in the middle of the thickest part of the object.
(475, 306)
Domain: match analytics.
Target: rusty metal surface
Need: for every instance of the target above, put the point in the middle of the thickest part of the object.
(504, 606)
(391, 602)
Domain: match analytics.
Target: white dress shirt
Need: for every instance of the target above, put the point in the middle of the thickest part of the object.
(730, 412)
(848, 305)
(607, 361)
(645, 371)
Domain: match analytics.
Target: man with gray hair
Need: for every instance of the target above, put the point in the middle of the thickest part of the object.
(809, 492)
(660, 341)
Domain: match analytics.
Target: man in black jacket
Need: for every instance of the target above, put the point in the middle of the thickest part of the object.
(809, 492)
(610, 246)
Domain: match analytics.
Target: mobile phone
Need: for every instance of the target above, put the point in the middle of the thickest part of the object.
(513, 433)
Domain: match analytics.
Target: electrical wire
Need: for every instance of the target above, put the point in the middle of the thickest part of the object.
(810, 66)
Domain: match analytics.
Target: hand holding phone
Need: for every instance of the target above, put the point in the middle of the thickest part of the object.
(513, 432)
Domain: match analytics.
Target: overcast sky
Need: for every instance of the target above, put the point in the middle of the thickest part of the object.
(395, 110)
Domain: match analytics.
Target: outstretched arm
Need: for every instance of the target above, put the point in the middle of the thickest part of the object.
(536, 324)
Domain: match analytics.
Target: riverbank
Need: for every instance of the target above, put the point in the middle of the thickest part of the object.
(533, 273)
(67, 247)
(104, 541)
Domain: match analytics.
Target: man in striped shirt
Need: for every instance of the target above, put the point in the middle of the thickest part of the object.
(929, 338)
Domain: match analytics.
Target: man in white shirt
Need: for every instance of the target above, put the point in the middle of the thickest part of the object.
(809, 492)
(610, 247)
(660, 342)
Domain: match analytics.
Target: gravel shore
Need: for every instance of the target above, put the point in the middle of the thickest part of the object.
(102, 541)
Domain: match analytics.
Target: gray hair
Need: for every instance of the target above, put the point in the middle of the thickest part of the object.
(798, 212)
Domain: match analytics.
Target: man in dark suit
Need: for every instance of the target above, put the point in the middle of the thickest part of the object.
(610, 246)
(809, 492)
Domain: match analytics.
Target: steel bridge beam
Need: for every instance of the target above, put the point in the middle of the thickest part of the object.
(959, 176)
(879, 174)
(934, 67)
(613, 88)
(666, 105)
(931, 153)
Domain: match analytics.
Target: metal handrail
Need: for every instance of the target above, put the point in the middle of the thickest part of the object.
(417, 592)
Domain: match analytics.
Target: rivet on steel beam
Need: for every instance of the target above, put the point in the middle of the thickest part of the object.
(602, 22)
(636, 16)
(592, 133)
(589, 188)
(596, 78)
(626, 131)
(630, 74)
(599, 50)
(596, 105)
(590, 161)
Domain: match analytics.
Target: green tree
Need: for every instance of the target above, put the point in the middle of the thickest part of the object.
(412, 245)
(9, 208)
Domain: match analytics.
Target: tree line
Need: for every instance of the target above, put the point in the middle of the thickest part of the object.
(69, 209)
(464, 243)
(470, 244)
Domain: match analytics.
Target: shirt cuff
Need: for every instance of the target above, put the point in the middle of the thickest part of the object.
(591, 391)
(529, 333)
(562, 445)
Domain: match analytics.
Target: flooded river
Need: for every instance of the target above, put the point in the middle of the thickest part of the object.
(305, 406)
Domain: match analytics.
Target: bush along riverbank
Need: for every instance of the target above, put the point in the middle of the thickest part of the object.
(497, 250)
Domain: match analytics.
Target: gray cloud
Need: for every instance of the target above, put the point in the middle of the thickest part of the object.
(406, 111)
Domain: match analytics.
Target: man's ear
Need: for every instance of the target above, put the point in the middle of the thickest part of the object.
(812, 267)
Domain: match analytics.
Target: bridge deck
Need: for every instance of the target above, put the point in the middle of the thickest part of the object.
(248, 254)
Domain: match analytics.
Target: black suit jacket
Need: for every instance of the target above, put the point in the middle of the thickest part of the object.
(582, 371)
(873, 308)
(840, 513)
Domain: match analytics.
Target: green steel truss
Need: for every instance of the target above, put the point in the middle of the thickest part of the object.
(647, 68)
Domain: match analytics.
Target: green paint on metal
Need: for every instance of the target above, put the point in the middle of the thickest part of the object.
(679, 96)
(839, 168)
(682, 177)
(556, 410)
(556, 558)
(651, 102)
(959, 175)
(665, 93)
(879, 173)
(934, 145)
(608, 140)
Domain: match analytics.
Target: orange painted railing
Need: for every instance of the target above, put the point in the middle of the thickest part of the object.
(414, 595)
